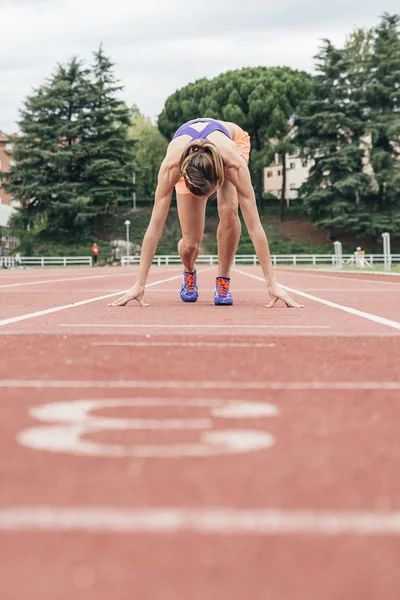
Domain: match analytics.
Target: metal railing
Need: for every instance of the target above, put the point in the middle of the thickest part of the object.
(277, 259)
(45, 261)
(205, 259)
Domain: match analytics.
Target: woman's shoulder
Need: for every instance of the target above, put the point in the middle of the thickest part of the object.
(175, 149)
(230, 127)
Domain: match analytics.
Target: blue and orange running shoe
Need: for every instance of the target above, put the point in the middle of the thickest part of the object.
(223, 296)
(189, 289)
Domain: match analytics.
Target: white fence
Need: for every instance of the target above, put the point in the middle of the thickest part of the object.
(204, 259)
(277, 259)
(46, 261)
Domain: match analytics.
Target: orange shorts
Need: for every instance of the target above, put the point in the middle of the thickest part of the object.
(242, 141)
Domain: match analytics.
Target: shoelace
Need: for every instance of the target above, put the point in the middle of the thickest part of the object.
(222, 287)
(190, 283)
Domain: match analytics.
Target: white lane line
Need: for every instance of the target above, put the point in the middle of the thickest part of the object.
(190, 326)
(203, 385)
(184, 344)
(211, 291)
(222, 521)
(351, 279)
(352, 311)
(11, 285)
(350, 290)
(75, 304)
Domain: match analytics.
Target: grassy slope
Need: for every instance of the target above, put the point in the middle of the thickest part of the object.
(294, 235)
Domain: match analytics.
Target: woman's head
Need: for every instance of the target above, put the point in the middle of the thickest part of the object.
(202, 167)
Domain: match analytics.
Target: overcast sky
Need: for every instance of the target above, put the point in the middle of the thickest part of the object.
(161, 45)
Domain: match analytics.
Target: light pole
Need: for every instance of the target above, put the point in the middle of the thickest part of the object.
(127, 224)
(134, 191)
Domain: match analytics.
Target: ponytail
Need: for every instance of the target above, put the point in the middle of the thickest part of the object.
(202, 167)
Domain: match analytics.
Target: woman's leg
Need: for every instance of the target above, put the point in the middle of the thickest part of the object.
(191, 213)
(229, 228)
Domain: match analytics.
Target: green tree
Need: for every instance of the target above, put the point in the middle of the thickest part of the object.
(71, 159)
(260, 100)
(351, 129)
(329, 129)
(46, 155)
(150, 149)
(107, 160)
(382, 95)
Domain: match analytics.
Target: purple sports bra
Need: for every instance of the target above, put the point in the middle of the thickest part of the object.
(186, 129)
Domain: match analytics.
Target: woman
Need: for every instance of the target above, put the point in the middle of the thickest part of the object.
(205, 156)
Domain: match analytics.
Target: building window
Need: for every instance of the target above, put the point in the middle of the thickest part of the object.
(292, 186)
(292, 165)
(304, 163)
(279, 172)
(270, 174)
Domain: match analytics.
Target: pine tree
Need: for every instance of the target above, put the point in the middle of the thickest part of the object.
(45, 175)
(108, 151)
(382, 93)
(330, 128)
(73, 158)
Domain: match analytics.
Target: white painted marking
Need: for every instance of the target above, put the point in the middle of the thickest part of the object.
(75, 304)
(245, 410)
(11, 285)
(352, 311)
(222, 521)
(174, 290)
(76, 411)
(202, 385)
(349, 290)
(184, 344)
(352, 279)
(73, 422)
(189, 326)
(235, 290)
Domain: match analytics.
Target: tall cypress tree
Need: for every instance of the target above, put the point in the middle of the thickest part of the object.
(45, 175)
(72, 159)
(330, 127)
(382, 92)
(108, 170)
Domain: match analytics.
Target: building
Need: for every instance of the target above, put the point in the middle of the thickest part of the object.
(7, 242)
(5, 164)
(297, 171)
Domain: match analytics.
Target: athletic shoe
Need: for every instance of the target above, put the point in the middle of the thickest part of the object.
(189, 289)
(223, 296)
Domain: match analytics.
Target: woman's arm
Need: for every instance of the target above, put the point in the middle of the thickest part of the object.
(238, 174)
(167, 178)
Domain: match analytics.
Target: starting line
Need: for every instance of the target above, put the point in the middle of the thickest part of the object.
(226, 521)
(202, 385)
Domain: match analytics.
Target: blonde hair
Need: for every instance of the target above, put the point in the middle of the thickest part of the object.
(202, 167)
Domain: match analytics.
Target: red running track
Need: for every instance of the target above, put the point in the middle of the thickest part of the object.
(194, 451)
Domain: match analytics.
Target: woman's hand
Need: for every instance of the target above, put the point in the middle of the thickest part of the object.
(135, 293)
(277, 293)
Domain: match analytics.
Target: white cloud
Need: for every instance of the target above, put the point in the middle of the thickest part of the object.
(159, 46)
